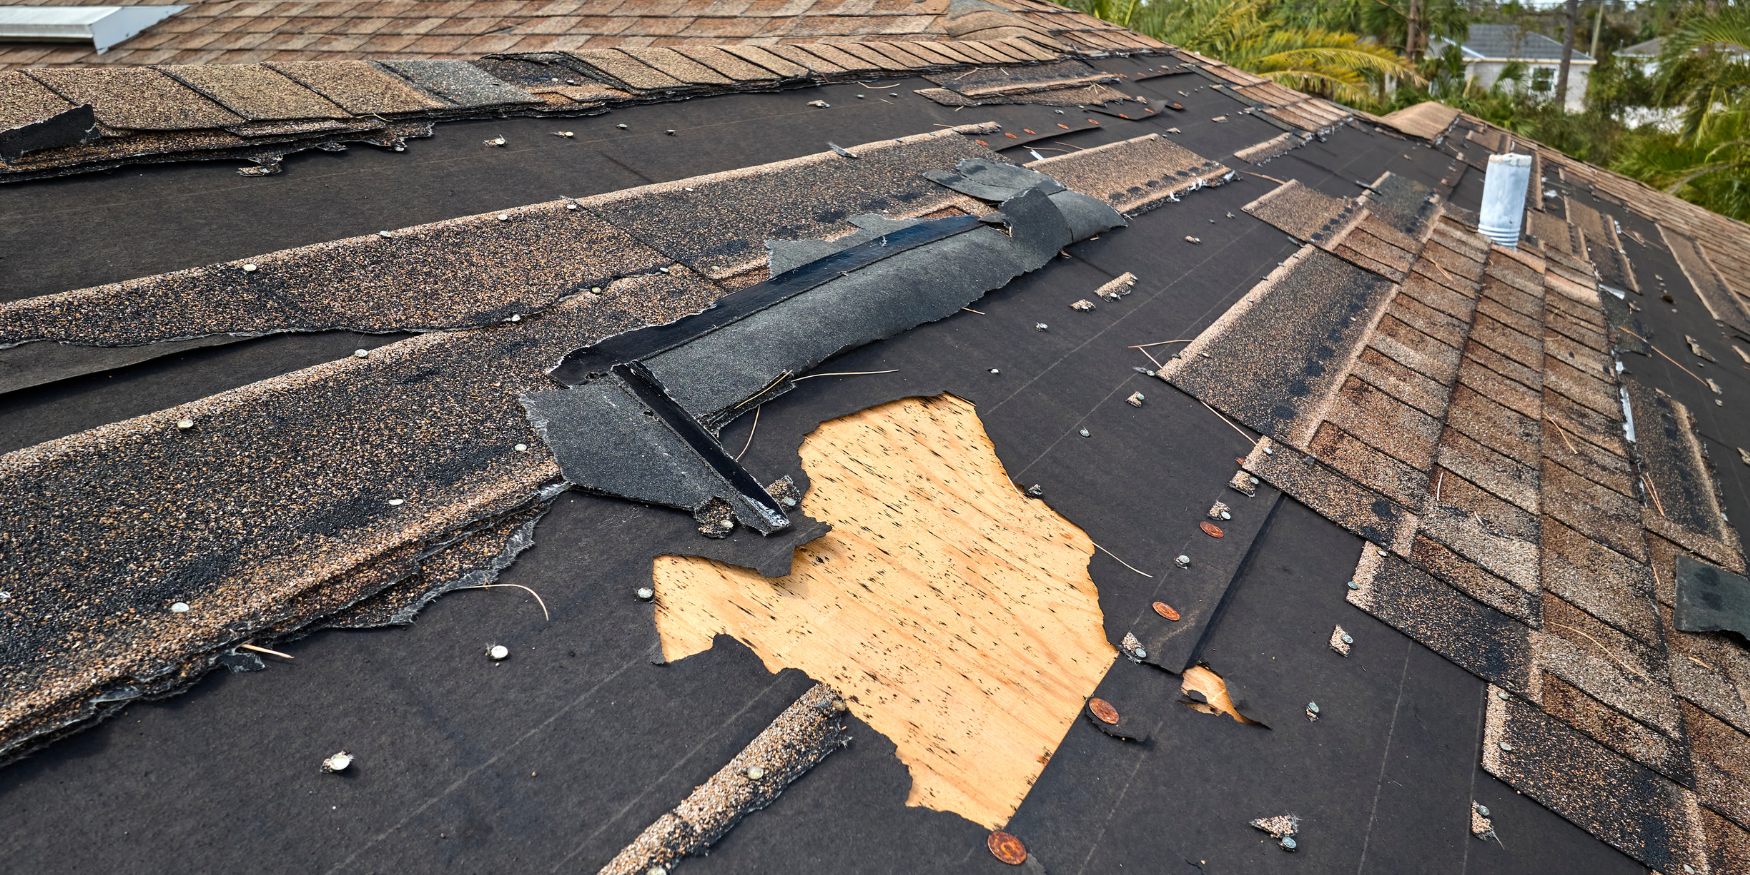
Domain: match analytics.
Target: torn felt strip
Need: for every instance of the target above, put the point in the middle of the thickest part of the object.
(644, 429)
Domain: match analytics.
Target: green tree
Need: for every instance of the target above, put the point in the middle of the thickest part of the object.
(1253, 36)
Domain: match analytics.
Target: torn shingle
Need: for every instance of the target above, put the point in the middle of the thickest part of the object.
(136, 98)
(255, 92)
(1272, 359)
(459, 272)
(1483, 641)
(1136, 175)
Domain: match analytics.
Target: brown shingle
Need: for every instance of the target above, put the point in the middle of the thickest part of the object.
(769, 60)
(678, 66)
(623, 68)
(730, 66)
(256, 92)
(24, 101)
(136, 98)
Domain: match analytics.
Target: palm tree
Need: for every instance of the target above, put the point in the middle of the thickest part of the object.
(1250, 35)
(1710, 161)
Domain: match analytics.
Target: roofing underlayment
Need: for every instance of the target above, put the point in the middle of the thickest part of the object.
(984, 446)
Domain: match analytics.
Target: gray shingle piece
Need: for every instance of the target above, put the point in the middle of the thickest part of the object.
(460, 83)
(627, 71)
(24, 101)
(678, 66)
(359, 87)
(764, 57)
(136, 98)
(255, 91)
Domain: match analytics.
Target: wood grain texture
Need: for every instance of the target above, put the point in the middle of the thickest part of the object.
(955, 615)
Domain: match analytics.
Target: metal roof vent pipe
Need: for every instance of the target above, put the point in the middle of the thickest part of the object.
(1504, 198)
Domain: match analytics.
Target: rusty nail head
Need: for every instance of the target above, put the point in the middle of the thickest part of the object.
(1166, 610)
(1210, 529)
(1006, 848)
(1103, 710)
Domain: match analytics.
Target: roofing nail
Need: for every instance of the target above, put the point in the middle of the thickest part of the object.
(248, 268)
(1141, 653)
(1191, 239)
(646, 593)
(522, 448)
(1354, 585)
(498, 651)
(1040, 325)
(754, 773)
(1483, 810)
(1183, 561)
(1312, 707)
(185, 423)
(337, 762)
(1035, 490)
(397, 502)
(496, 141)
(5, 596)
(179, 608)
(1382, 552)
(361, 353)
(1506, 747)
(571, 206)
(671, 132)
(995, 371)
(384, 234)
(621, 126)
(655, 870)
(1348, 639)
(1084, 432)
(1135, 399)
(861, 96)
(728, 524)
(819, 103)
(566, 134)
(1502, 695)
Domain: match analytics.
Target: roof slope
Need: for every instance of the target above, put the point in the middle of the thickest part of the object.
(253, 31)
(1497, 449)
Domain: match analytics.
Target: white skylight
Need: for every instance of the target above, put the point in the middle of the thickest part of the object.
(103, 26)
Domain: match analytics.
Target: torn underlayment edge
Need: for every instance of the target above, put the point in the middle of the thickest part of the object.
(640, 414)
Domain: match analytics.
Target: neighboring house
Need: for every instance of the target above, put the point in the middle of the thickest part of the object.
(1647, 54)
(1489, 48)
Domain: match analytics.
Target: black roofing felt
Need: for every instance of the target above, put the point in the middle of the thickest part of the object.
(555, 758)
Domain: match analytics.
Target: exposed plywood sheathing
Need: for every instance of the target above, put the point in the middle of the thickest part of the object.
(955, 614)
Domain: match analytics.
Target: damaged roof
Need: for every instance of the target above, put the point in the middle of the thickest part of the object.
(986, 446)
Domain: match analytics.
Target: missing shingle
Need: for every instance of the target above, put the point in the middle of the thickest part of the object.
(956, 615)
